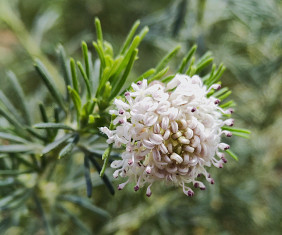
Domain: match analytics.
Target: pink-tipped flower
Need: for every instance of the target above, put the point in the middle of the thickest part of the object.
(171, 132)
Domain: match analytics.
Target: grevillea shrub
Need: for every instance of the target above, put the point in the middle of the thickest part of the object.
(168, 126)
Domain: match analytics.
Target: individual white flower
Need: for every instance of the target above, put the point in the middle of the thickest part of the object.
(170, 132)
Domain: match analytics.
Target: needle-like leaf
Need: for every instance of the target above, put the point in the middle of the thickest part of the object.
(48, 81)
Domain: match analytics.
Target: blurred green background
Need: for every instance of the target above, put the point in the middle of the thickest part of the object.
(245, 35)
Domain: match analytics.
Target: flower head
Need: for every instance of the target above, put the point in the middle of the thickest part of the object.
(171, 132)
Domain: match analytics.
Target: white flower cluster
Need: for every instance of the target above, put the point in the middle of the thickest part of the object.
(171, 132)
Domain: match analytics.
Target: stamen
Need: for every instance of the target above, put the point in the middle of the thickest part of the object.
(149, 192)
(186, 159)
(229, 122)
(183, 124)
(174, 126)
(223, 146)
(183, 171)
(220, 154)
(188, 148)
(163, 149)
(165, 123)
(176, 135)
(156, 138)
(189, 133)
(116, 164)
(167, 159)
(228, 111)
(121, 186)
(195, 141)
(214, 86)
(170, 148)
(157, 128)
(148, 170)
(166, 134)
(148, 144)
(187, 191)
(156, 155)
(176, 157)
(227, 133)
(193, 161)
(183, 140)
(136, 188)
(115, 175)
(224, 159)
(192, 123)
(190, 193)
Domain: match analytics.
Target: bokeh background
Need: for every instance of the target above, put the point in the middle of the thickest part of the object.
(245, 35)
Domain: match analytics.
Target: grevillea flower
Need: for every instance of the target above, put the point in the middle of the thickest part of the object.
(171, 132)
